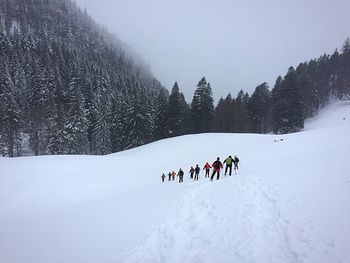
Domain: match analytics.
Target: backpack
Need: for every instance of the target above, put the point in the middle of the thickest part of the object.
(217, 165)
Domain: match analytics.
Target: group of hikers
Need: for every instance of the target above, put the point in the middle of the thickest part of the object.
(194, 172)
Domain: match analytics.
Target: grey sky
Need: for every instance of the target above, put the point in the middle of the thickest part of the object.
(235, 44)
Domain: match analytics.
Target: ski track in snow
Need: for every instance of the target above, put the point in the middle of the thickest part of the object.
(257, 233)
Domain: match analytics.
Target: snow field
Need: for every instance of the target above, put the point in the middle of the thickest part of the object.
(289, 202)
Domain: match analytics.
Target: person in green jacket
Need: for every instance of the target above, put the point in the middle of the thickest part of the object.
(228, 162)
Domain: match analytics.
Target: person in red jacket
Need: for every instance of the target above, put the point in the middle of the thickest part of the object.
(207, 169)
(217, 165)
(173, 174)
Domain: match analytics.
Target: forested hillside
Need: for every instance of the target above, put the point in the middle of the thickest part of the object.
(64, 81)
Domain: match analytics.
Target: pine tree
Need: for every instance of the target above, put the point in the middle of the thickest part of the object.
(9, 114)
(218, 122)
(102, 130)
(229, 115)
(176, 112)
(138, 120)
(344, 86)
(287, 104)
(242, 120)
(161, 130)
(334, 77)
(202, 107)
(37, 103)
(119, 133)
(76, 122)
(259, 109)
(310, 97)
(56, 133)
(278, 106)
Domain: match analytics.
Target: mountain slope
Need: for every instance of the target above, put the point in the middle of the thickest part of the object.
(287, 203)
(65, 82)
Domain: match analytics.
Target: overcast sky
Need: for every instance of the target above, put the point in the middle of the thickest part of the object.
(235, 44)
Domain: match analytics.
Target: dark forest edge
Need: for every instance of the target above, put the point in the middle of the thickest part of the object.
(69, 87)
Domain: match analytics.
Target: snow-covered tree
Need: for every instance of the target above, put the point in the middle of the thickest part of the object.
(76, 122)
(287, 111)
(9, 114)
(177, 112)
(202, 107)
(138, 120)
(259, 109)
(161, 119)
(102, 129)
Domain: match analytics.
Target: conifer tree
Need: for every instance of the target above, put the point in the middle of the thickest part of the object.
(176, 112)
(310, 96)
(259, 109)
(102, 129)
(56, 133)
(37, 104)
(202, 107)
(334, 77)
(119, 133)
(242, 115)
(138, 120)
(9, 114)
(287, 104)
(161, 130)
(76, 122)
(218, 122)
(344, 70)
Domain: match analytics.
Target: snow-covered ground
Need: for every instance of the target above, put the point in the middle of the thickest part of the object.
(289, 202)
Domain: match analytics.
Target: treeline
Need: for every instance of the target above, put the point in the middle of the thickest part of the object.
(68, 87)
(296, 96)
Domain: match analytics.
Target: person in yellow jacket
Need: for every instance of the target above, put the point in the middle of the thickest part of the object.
(228, 161)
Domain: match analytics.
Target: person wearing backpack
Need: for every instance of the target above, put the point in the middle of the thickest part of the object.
(169, 176)
(197, 170)
(228, 162)
(207, 169)
(163, 178)
(180, 174)
(236, 161)
(191, 172)
(217, 165)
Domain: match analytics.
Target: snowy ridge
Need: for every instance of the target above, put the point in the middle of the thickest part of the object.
(289, 202)
(334, 114)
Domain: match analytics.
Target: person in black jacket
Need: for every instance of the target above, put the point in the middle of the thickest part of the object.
(236, 161)
(196, 172)
(180, 174)
(191, 172)
(169, 176)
